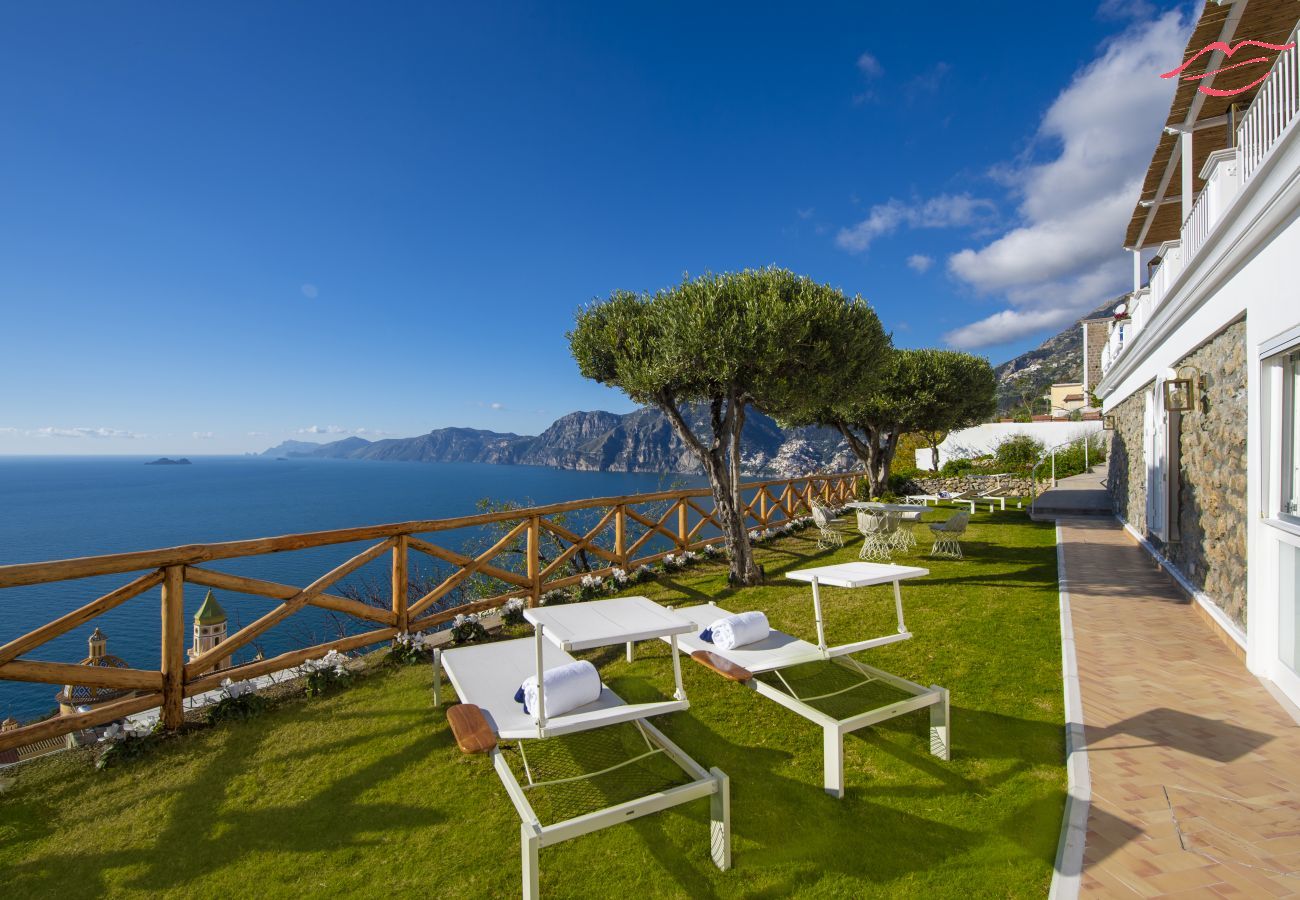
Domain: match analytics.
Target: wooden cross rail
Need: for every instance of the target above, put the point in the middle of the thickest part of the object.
(172, 568)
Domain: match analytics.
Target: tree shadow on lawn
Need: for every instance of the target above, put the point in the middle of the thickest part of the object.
(795, 826)
(198, 837)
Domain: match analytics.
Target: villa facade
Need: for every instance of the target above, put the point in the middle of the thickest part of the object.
(1200, 380)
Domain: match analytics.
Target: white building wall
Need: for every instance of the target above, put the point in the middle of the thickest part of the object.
(1249, 265)
(984, 439)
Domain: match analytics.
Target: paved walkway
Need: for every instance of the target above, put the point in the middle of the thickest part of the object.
(1078, 495)
(1195, 767)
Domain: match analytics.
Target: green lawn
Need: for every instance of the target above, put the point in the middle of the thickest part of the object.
(363, 793)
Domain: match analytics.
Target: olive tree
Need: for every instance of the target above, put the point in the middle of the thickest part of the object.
(764, 338)
(926, 391)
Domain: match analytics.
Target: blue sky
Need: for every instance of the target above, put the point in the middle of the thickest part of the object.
(227, 224)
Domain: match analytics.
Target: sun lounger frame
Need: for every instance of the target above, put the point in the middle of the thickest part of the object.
(534, 835)
(833, 730)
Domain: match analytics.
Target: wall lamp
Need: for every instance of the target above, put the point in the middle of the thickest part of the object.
(1181, 387)
(1108, 422)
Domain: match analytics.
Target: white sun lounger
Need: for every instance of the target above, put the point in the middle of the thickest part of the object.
(486, 676)
(782, 651)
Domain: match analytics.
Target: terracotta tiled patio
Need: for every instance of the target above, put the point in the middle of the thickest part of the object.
(1195, 767)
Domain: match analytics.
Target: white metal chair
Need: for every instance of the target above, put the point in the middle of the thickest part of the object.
(877, 530)
(828, 537)
(904, 536)
(948, 534)
(486, 676)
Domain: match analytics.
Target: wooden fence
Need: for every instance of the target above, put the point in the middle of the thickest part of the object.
(678, 517)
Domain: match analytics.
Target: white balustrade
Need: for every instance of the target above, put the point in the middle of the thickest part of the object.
(1271, 113)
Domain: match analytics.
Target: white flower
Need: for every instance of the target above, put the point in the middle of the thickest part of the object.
(233, 689)
(619, 576)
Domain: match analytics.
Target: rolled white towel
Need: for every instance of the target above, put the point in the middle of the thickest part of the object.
(567, 687)
(738, 630)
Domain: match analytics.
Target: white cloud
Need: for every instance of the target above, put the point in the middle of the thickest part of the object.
(204, 435)
(1125, 9)
(943, 211)
(1008, 325)
(80, 432)
(310, 291)
(869, 66)
(806, 213)
(337, 429)
(928, 82)
(1064, 257)
(919, 262)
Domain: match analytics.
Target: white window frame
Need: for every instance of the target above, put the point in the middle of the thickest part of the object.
(1288, 507)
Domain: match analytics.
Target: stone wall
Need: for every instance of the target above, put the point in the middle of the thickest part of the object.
(1010, 487)
(1126, 477)
(1209, 545)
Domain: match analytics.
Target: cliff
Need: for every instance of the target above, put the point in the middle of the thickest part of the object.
(639, 441)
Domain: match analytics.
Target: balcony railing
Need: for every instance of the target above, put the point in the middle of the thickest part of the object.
(1271, 115)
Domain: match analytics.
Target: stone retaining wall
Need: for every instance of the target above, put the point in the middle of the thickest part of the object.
(1011, 487)
(1208, 544)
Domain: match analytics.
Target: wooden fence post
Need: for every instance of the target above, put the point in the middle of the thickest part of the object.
(762, 506)
(683, 530)
(620, 535)
(400, 582)
(173, 647)
(535, 560)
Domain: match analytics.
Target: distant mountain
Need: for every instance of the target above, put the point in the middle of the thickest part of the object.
(289, 448)
(639, 441)
(1058, 359)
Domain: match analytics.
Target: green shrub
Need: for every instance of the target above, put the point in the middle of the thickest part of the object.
(954, 468)
(1018, 453)
(901, 483)
(1070, 459)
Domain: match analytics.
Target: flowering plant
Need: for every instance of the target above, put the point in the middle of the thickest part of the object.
(590, 586)
(325, 673)
(466, 629)
(556, 597)
(409, 649)
(512, 613)
(239, 700)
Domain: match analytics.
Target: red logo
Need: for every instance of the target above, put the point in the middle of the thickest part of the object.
(1227, 51)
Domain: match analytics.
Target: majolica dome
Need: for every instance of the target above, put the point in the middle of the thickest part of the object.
(87, 695)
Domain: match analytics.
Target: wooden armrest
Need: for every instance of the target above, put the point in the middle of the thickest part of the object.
(724, 667)
(471, 729)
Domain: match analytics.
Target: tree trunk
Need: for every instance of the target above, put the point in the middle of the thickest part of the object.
(721, 462)
(887, 458)
(934, 458)
(875, 458)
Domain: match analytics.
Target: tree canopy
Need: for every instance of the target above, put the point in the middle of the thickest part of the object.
(766, 338)
(925, 391)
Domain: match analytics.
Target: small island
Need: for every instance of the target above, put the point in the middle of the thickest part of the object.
(164, 461)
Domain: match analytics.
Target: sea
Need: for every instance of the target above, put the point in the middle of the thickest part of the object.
(62, 507)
